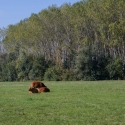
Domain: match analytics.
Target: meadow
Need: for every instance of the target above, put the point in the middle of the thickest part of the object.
(68, 103)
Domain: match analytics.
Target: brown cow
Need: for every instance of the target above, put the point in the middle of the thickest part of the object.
(38, 87)
(39, 90)
(36, 84)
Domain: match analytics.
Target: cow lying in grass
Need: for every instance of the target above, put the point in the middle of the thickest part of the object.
(38, 87)
(36, 84)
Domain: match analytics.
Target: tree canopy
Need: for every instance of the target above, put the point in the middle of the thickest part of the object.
(84, 40)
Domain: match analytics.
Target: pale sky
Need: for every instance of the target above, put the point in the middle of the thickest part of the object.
(12, 11)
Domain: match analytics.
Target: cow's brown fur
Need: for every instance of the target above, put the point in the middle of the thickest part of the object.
(39, 90)
(38, 87)
(36, 84)
(33, 90)
(43, 89)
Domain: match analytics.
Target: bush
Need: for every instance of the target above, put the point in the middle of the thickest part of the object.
(53, 74)
(38, 68)
(68, 75)
(8, 72)
(115, 69)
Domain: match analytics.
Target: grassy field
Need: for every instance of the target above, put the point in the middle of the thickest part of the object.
(68, 103)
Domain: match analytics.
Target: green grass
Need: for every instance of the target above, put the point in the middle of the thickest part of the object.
(68, 103)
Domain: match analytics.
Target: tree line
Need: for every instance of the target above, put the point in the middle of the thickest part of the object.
(83, 41)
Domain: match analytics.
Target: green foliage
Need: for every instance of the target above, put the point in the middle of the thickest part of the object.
(59, 74)
(24, 66)
(83, 64)
(38, 68)
(115, 69)
(8, 72)
(8, 69)
(92, 30)
(69, 75)
(90, 65)
(53, 74)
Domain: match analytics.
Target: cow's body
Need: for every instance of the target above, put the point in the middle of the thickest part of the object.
(36, 84)
(43, 89)
(38, 87)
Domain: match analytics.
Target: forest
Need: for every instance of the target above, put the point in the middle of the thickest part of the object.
(83, 41)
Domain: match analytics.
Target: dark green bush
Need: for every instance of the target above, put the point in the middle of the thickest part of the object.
(53, 74)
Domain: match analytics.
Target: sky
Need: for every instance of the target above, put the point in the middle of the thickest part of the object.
(13, 11)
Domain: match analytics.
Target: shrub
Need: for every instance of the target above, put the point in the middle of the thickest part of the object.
(115, 69)
(53, 74)
(68, 75)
